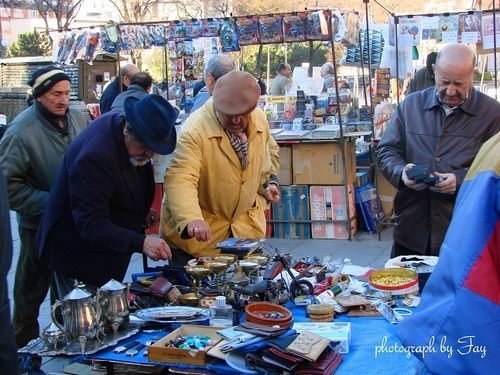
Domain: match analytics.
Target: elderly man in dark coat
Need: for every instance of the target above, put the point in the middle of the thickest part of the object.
(100, 205)
(441, 127)
(118, 85)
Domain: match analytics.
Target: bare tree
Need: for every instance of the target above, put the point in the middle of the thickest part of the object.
(64, 11)
(135, 10)
(203, 8)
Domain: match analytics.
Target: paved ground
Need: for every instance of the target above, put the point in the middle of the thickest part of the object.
(365, 250)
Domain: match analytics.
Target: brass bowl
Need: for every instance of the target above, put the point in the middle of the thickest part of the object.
(226, 258)
(248, 266)
(217, 266)
(198, 271)
(189, 299)
(260, 259)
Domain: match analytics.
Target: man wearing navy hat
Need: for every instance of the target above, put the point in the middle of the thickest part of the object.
(31, 152)
(100, 205)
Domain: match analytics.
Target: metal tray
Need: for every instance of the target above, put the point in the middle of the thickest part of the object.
(173, 314)
(41, 348)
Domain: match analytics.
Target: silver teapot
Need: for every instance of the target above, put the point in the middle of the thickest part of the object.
(53, 336)
(80, 322)
(112, 304)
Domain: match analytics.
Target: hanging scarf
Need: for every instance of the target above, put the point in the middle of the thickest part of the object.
(240, 145)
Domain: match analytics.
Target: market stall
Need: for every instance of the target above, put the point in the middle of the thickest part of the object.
(344, 314)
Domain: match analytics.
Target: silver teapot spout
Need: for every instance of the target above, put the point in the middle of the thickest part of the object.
(79, 316)
(112, 303)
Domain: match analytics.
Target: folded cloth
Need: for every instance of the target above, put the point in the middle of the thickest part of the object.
(326, 364)
(243, 346)
(248, 347)
(282, 342)
(260, 330)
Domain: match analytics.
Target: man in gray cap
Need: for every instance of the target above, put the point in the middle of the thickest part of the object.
(31, 152)
(100, 204)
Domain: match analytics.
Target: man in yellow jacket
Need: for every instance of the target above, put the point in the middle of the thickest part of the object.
(223, 173)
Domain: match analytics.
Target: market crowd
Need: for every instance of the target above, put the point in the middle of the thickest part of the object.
(83, 191)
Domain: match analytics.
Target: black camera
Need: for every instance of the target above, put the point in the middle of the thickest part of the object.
(422, 173)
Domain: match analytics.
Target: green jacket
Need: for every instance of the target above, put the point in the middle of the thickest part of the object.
(31, 152)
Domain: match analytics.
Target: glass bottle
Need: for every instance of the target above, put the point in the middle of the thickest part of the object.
(221, 314)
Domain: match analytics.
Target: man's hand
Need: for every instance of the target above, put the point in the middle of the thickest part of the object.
(411, 183)
(447, 185)
(272, 194)
(199, 229)
(156, 249)
(152, 218)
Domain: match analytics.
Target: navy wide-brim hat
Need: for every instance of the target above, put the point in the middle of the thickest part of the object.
(152, 119)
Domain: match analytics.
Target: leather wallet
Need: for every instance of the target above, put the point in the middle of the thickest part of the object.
(308, 345)
(255, 362)
(327, 363)
(287, 356)
(160, 287)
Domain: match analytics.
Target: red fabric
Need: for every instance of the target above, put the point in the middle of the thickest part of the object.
(269, 226)
(484, 277)
(157, 206)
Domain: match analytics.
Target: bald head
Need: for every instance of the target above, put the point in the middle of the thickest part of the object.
(457, 54)
(126, 72)
(454, 72)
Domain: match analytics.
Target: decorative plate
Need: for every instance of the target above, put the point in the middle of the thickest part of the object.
(173, 314)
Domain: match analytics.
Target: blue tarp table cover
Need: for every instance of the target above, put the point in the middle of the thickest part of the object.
(374, 349)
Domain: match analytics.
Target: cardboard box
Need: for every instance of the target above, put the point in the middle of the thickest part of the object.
(285, 175)
(329, 203)
(321, 163)
(159, 353)
(294, 206)
(334, 331)
(386, 193)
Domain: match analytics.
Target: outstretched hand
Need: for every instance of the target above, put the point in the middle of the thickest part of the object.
(200, 230)
(156, 249)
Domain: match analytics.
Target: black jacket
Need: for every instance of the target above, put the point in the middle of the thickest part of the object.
(97, 210)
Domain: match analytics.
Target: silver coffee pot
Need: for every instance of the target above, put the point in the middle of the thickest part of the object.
(112, 304)
(80, 321)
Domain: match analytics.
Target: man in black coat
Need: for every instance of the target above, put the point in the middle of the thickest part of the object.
(100, 205)
(119, 84)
